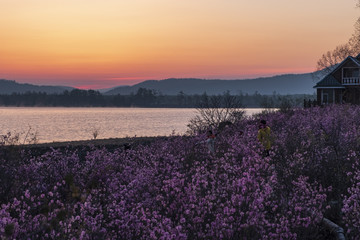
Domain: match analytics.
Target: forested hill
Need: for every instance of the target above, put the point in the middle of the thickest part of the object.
(282, 84)
(288, 84)
(9, 87)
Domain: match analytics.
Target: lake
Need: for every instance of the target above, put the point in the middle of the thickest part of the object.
(71, 124)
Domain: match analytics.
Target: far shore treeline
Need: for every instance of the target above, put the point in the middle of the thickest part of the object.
(142, 98)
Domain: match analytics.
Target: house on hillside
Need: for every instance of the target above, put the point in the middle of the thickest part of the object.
(342, 85)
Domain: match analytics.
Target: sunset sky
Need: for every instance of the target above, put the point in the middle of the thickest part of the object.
(106, 43)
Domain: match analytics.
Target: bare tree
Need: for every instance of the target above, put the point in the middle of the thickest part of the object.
(213, 110)
(329, 60)
(354, 41)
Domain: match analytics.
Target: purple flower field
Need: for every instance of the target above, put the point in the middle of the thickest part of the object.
(176, 189)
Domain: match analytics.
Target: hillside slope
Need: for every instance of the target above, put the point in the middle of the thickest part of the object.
(9, 87)
(282, 84)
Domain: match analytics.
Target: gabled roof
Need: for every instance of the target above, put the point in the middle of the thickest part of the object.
(344, 61)
(355, 60)
(329, 81)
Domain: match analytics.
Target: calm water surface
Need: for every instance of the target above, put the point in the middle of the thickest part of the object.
(70, 124)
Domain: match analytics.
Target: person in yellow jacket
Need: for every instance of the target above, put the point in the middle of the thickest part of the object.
(264, 137)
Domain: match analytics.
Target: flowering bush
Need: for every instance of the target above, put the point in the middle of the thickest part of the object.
(175, 189)
(351, 203)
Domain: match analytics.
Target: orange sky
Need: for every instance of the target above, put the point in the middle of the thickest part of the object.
(105, 43)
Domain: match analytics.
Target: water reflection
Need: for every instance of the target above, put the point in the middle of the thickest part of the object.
(69, 124)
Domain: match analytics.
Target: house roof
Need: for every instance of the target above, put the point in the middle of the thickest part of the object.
(329, 81)
(355, 60)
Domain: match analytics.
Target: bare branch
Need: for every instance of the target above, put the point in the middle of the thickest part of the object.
(329, 60)
(214, 110)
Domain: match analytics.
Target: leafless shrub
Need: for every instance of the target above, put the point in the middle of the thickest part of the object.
(19, 138)
(213, 110)
(286, 104)
(95, 131)
(31, 137)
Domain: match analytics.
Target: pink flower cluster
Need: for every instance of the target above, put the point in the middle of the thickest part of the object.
(175, 189)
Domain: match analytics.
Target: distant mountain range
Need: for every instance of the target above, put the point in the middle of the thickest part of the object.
(281, 84)
(9, 87)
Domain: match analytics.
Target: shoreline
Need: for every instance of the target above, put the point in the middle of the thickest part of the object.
(82, 146)
(96, 142)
